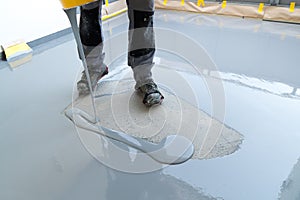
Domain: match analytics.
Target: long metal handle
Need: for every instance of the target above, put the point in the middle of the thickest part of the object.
(71, 13)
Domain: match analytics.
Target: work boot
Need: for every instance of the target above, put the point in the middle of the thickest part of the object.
(82, 85)
(152, 95)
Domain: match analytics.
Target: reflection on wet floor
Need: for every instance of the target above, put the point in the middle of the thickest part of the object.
(259, 72)
(111, 184)
(255, 61)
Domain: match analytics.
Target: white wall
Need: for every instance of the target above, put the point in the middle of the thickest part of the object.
(30, 19)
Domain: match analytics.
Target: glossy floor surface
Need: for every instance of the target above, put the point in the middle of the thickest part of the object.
(256, 63)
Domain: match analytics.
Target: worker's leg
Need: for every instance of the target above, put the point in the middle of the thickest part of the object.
(141, 48)
(92, 40)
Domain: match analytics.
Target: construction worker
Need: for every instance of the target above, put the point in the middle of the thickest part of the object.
(141, 47)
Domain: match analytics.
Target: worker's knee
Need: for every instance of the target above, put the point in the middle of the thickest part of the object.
(142, 29)
(90, 30)
(142, 34)
(142, 19)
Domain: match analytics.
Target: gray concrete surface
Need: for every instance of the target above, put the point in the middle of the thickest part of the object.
(257, 62)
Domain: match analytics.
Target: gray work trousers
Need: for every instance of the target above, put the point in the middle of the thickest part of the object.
(141, 41)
